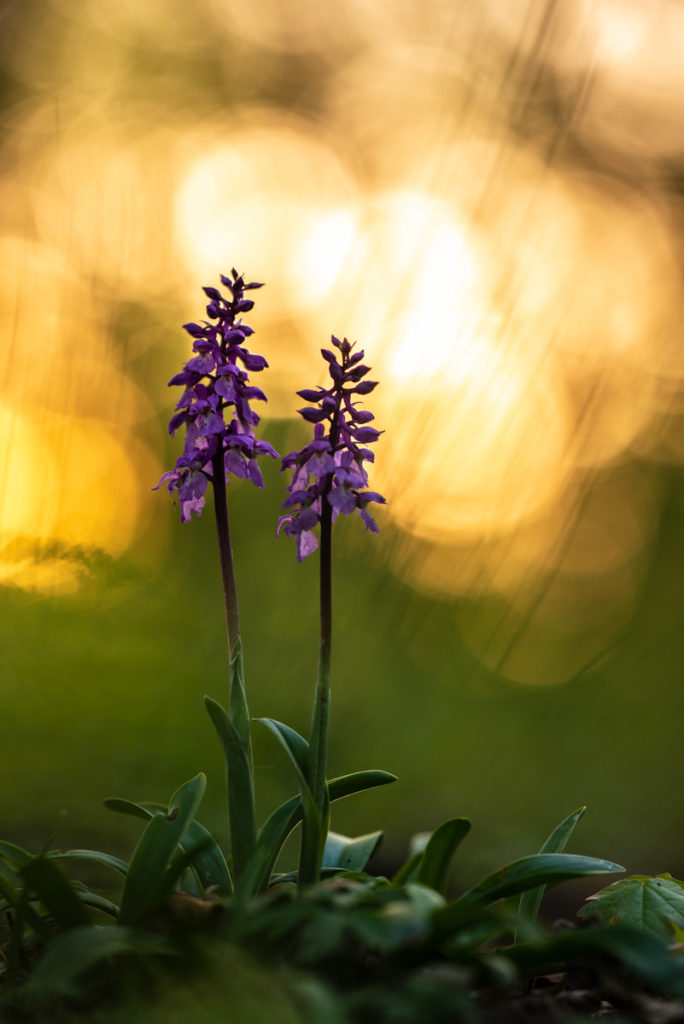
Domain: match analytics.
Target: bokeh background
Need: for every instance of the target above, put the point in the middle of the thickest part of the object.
(489, 198)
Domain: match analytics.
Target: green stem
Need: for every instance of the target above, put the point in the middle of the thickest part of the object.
(241, 802)
(321, 709)
(315, 832)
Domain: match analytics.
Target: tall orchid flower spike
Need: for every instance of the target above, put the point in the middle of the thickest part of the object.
(329, 471)
(219, 442)
(329, 477)
(215, 405)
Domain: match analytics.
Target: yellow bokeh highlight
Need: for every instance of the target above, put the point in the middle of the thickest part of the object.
(72, 472)
(473, 192)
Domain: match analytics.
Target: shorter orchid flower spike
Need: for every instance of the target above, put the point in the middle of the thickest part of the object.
(215, 405)
(331, 467)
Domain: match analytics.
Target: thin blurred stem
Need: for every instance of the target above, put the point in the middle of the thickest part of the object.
(240, 766)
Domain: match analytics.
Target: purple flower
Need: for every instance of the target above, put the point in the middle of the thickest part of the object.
(330, 468)
(216, 383)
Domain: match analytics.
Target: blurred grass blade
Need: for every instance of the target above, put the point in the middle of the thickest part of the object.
(433, 869)
(151, 858)
(9, 891)
(539, 869)
(93, 855)
(349, 854)
(97, 902)
(75, 952)
(530, 901)
(56, 892)
(15, 856)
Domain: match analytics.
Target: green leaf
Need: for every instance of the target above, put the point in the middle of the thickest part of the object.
(357, 782)
(645, 956)
(147, 878)
(433, 869)
(240, 782)
(76, 951)
(94, 855)
(97, 902)
(209, 865)
(10, 893)
(16, 897)
(207, 861)
(530, 901)
(114, 803)
(15, 856)
(640, 901)
(285, 818)
(409, 869)
(539, 869)
(295, 746)
(350, 854)
(313, 832)
(55, 891)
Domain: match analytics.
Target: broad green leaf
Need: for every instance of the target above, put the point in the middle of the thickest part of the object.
(314, 828)
(285, 818)
(350, 854)
(94, 855)
(433, 869)
(539, 869)
(295, 746)
(640, 901)
(55, 891)
(209, 864)
(645, 956)
(76, 951)
(239, 780)
(530, 901)
(181, 861)
(207, 861)
(147, 872)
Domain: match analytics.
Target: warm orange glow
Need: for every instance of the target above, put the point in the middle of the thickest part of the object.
(474, 192)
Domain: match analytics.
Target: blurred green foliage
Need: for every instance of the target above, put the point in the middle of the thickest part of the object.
(102, 696)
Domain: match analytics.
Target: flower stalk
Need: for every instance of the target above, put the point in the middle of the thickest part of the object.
(329, 477)
(220, 441)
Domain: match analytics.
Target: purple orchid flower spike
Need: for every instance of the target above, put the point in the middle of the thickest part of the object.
(216, 382)
(331, 467)
(220, 441)
(329, 477)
